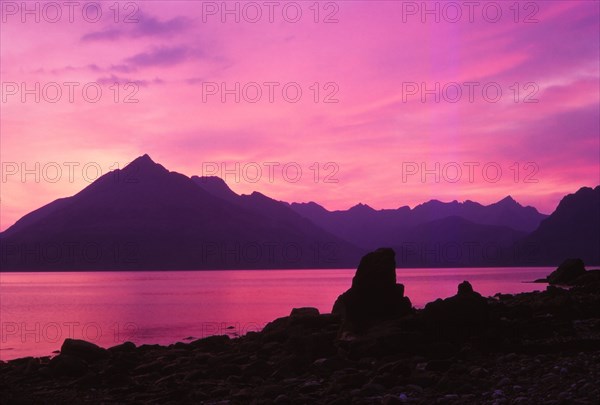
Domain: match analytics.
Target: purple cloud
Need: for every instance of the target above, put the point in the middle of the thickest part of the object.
(147, 26)
(112, 79)
(164, 56)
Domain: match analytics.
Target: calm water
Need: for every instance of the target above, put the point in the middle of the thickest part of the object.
(39, 310)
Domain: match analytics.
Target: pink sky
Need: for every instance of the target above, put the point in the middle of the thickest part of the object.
(374, 133)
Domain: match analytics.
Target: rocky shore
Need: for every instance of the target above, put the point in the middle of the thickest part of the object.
(374, 348)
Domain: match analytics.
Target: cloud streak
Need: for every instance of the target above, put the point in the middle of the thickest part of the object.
(164, 56)
(145, 26)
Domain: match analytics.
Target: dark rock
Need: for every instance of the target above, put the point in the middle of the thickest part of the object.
(153, 366)
(567, 272)
(258, 368)
(212, 343)
(439, 365)
(372, 389)
(305, 311)
(83, 350)
(67, 365)
(282, 399)
(377, 270)
(374, 294)
(466, 309)
(123, 347)
(394, 399)
(465, 288)
(225, 370)
(590, 280)
(351, 379)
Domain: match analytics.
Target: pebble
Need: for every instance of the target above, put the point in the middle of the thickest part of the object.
(504, 382)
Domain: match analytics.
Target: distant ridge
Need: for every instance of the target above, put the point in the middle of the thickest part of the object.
(145, 217)
(369, 228)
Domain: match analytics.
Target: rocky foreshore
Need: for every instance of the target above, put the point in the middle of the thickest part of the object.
(531, 348)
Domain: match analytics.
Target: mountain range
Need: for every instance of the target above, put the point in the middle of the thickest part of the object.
(144, 217)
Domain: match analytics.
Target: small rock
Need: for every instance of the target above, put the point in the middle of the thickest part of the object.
(504, 382)
(414, 388)
(282, 399)
(395, 399)
(478, 372)
(305, 311)
(372, 389)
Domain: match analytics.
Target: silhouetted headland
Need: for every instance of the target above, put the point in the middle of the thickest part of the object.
(374, 348)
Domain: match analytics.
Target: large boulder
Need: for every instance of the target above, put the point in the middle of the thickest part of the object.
(567, 272)
(466, 309)
(374, 295)
(82, 349)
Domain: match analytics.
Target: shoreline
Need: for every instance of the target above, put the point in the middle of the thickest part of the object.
(351, 369)
(417, 284)
(549, 266)
(234, 334)
(533, 347)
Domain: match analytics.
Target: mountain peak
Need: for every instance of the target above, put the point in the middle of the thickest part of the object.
(144, 162)
(145, 158)
(361, 207)
(143, 167)
(508, 200)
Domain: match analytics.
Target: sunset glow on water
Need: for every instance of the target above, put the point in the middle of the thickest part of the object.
(40, 310)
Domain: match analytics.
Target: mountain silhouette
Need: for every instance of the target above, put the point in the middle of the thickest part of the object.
(456, 242)
(145, 217)
(216, 186)
(276, 212)
(370, 228)
(571, 231)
